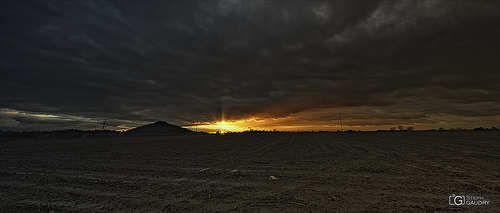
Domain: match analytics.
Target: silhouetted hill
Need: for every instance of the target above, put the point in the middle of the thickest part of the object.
(160, 128)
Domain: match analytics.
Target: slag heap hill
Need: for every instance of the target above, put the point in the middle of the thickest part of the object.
(160, 128)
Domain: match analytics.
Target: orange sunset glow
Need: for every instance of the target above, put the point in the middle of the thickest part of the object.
(287, 124)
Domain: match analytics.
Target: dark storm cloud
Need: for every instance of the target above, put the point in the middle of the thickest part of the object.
(192, 61)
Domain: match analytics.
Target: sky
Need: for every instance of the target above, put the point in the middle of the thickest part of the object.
(239, 65)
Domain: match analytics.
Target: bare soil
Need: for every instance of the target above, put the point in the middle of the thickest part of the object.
(279, 172)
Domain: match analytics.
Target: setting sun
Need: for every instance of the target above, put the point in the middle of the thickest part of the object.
(221, 127)
(287, 124)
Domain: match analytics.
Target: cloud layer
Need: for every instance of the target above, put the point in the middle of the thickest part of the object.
(379, 62)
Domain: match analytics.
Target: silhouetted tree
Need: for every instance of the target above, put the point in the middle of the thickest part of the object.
(410, 128)
(401, 128)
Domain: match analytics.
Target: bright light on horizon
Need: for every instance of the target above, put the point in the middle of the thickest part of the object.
(220, 126)
(257, 124)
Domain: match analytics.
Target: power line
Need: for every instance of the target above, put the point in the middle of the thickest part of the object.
(340, 118)
(104, 124)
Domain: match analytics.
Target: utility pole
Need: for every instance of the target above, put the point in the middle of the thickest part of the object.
(103, 124)
(340, 117)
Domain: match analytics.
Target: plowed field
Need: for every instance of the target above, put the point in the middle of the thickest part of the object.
(273, 172)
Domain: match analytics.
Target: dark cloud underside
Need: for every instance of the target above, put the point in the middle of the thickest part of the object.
(191, 61)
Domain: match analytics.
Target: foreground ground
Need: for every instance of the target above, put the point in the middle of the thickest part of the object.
(312, 172)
